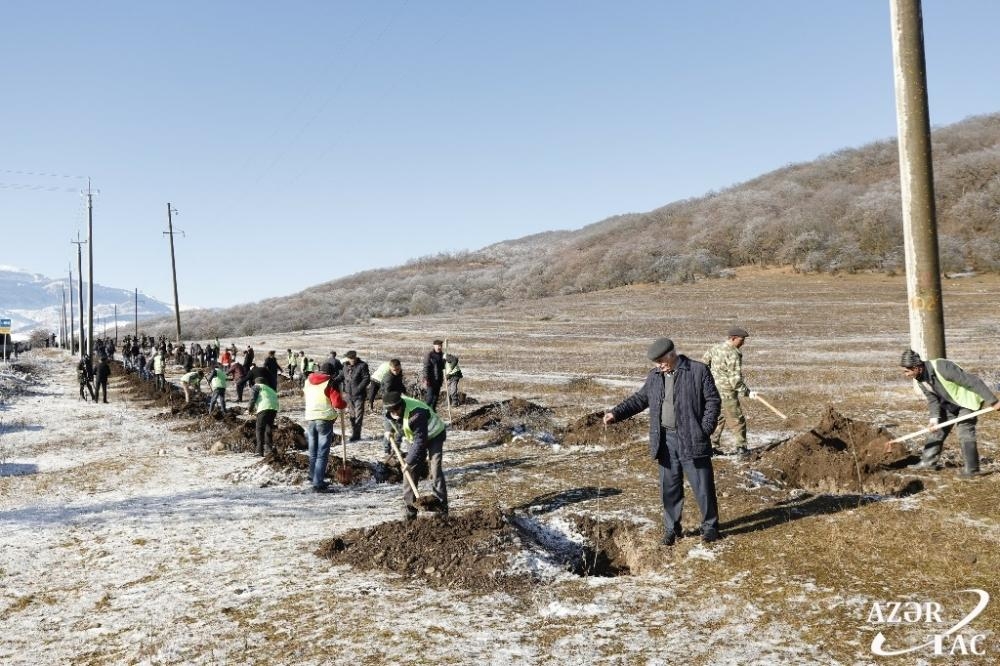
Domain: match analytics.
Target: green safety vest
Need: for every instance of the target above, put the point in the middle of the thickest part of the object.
(382, 373)
(219, 379)
(318, 407)
(435, 426)
(190, 378)
(267, 398)
(960, 395)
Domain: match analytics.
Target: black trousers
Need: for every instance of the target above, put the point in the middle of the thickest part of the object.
(356, 407)
(265, 430)
(700, 476)
(102, 387)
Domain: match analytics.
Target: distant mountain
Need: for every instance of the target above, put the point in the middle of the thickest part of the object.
(33, 301)
(839, 212)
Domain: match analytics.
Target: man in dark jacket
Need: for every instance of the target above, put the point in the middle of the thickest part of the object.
(434, 373)
(356, 380)
(103, 372)
(951, 392)
(272, 368)
(684, 408)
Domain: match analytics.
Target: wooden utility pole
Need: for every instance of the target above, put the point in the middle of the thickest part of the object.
(79, 274)
(90, 272)
(72, 315)
(920, 242)
(173, 267)
(62, 321)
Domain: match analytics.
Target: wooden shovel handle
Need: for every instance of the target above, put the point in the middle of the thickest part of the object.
(770, 406)
(957, 419)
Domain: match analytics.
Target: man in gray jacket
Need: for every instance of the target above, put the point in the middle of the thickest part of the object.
(951, 392)
(684, 408)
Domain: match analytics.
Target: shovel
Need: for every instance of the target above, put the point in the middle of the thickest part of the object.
(344, 476)
(957, 419)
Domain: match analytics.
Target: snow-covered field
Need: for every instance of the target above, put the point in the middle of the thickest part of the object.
(124, 542)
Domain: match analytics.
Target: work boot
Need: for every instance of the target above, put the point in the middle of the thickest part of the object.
(926, 464)
(668, 539)
(971, 455)
(741, 451)
(969, 474)
(409, 514)
(708, 536)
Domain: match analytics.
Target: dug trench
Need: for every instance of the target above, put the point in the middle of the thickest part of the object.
(510, 549)
(226, 431)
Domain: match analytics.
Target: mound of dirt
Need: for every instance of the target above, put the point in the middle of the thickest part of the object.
(590, 429)
(470, 551)
(839, 455)
(507, 414)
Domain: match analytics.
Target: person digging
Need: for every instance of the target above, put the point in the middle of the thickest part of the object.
(424, 432)
(951, 392)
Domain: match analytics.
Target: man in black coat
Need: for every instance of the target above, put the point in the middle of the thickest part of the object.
(272, 368)
(434, 373)
(356, 380)
(684, 408)
(103, 372)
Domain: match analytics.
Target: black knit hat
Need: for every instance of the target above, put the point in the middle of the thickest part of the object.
(392, 399)
(911, 359)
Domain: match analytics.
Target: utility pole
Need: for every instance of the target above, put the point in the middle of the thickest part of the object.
(72, 317)
(79, 273)
(90, 271)
(916, 174)
(137, 313)
(173, 266)
(116, 324)
(62, 321)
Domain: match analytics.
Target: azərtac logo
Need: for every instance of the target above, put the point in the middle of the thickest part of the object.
(949, 642)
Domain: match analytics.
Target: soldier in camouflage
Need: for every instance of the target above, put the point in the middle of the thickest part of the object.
(726, 363)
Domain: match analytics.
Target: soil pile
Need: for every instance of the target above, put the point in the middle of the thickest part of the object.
(514, 414)
(470, 551)
(839, 455)
(590, 429)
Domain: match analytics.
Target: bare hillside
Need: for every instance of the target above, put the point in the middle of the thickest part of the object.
(838, 213)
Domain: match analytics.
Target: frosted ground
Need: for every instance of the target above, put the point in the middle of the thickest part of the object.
(124, 540)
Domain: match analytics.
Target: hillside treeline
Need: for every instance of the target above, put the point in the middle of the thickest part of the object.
(841, 212)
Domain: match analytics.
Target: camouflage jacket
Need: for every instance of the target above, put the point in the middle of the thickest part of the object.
(726, 363)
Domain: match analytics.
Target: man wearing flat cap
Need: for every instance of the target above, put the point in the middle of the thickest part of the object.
(951, 392)
(726, 363)
(683, 408)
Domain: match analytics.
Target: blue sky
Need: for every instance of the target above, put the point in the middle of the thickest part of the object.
(305, 141)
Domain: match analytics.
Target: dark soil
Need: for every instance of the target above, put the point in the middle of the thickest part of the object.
(839, 455)
(474, 550)
(470, 551)
(590, 429)
(512, 414)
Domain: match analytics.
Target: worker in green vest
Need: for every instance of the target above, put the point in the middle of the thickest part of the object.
(424, 431)
(951, 392)
(264, 403)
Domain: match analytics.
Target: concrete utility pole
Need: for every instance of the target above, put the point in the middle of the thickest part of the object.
(173, 266)
(90, 271)
(79, 274)
(137, 313)
(920, 242)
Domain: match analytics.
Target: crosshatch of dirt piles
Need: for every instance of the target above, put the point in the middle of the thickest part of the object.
(590, 429)
(505, 414)
(475, 550)
(839, 455)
